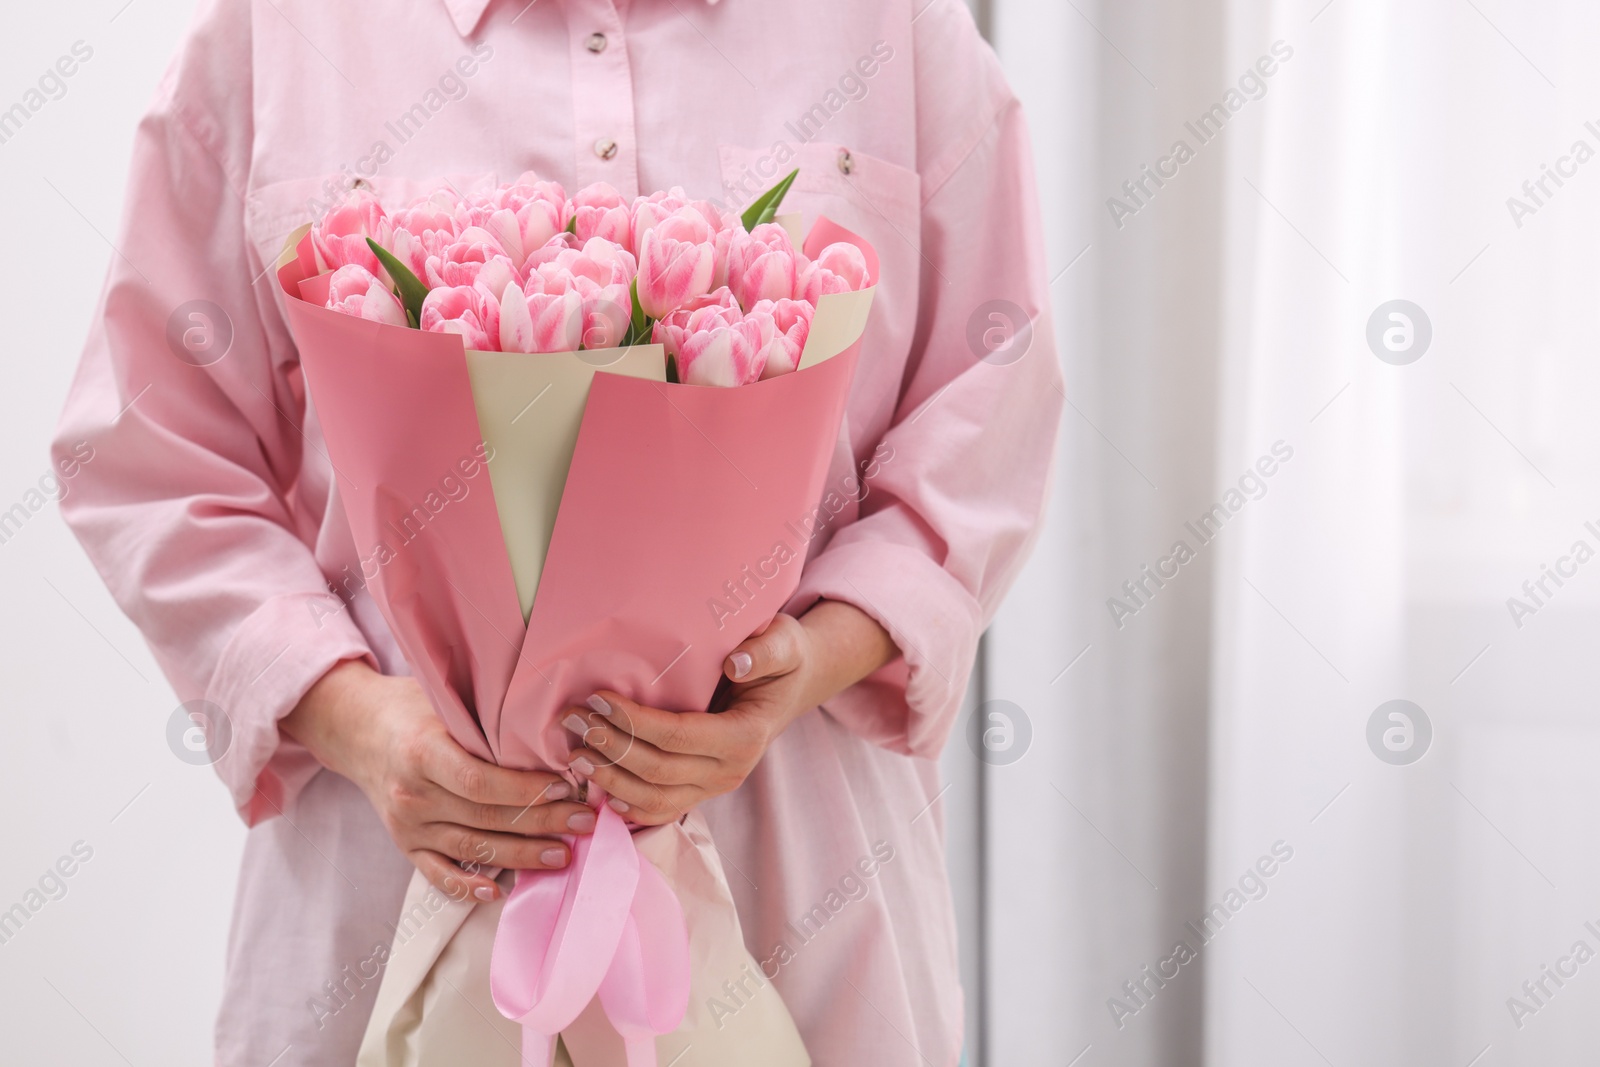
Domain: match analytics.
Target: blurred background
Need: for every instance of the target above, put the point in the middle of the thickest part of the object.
(1283, 751)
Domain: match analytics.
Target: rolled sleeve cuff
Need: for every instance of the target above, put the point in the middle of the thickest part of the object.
(910, 705)
(277, 654)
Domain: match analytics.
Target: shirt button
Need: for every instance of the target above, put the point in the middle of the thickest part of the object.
(847, 162)
(596, 43)
(605, 148)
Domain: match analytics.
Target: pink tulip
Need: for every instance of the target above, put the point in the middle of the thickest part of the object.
(413, 250)
(548, 252)
(435, 213)
(600, 274)
(528, 189)
(541, 322)
(649, 211)
(725, 356)
(785, 326)
(719, 219)
(557, 322)
(460, 263)
(607, 312)
(467, 310)
(717, 298)
(599, 260)
(724, 227)
(355, 290)
(670, 332)
(424, 228)
(676, 264)
(528, 217)
(762, 265)
(478, 209)
(600, 211)
(340, 236)
(712, 345)
(846, 261)
(839, 268)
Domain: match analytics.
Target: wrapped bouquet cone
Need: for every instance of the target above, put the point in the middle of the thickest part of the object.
(487, 492)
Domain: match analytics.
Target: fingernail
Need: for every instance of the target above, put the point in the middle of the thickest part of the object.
(598, 703)
(583, 766)
(582, 822)
(618, 806)
(741, 663)
(576, 725)
(554, 857)
(558, 791)
(484, 893)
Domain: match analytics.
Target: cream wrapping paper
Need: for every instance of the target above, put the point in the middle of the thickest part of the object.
(434, 1008)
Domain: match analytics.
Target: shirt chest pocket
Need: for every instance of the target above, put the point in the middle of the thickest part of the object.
(868, 195)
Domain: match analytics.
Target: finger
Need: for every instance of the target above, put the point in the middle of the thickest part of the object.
(689, 733)
(452, 767)
(449, 879)
(564, 817)
(615, 745)
(643, 802)
(772, 652)
(475, 847)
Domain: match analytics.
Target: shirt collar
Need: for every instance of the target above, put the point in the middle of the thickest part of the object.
(467, 13)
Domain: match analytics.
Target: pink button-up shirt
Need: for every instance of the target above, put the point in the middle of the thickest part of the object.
(210, 512)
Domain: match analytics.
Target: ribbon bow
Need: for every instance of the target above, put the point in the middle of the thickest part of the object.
(608, 925)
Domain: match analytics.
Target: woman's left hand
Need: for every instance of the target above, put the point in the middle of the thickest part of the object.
(656, 765)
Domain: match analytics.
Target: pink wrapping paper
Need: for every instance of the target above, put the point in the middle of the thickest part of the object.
(664, 557)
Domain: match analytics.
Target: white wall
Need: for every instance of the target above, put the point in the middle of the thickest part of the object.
(95, 977)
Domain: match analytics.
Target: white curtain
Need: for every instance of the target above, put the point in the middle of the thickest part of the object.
(1202, 766)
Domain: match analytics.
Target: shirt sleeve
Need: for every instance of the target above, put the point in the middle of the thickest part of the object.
(193, 412)
(957, 500)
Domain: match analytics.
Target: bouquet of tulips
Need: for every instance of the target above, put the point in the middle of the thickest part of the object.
(635, 528)
(525, 269)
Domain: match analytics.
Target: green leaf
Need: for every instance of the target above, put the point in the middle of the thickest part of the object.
(639, 324)
(765, 207)
(672, 371)
(572, 227)
(407, 286)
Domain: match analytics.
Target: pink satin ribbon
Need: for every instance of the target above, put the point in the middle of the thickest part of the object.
(608, 925)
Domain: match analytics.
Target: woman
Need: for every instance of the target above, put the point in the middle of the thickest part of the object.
(211, 514)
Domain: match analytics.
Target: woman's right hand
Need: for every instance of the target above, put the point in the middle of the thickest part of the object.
(451, 814)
